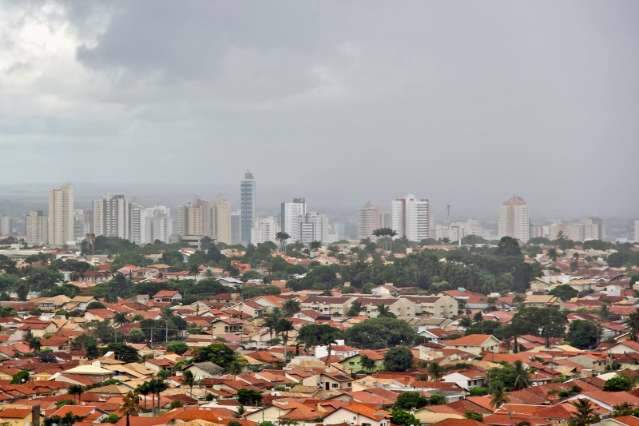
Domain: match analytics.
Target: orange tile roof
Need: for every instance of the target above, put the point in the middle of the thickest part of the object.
(470, 340)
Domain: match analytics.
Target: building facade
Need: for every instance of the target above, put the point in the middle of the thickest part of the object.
(60, 219)
(247, 207)
(513, 219)
(36, 228)
(411, 218)
(370, 219)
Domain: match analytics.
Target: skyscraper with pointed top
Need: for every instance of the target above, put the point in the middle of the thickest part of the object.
(247, 207)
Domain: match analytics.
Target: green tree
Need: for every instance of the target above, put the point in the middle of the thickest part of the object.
(381, 332)
(384, 312)
(585, 414)
(130, 406)
(124, 352)
(76, 391)
(403, 418)
(318, 334)
(545, 322)
(282, 237)
(177, 347)
(291, 307)
(498, 395)
(583, 334)
(355, 309)
(617, 384)
(399, 358)
(633, 324)
(222, 355)
(410, 401)
(249, 397)
(20, 377)
(435, 371)
(510, 376)
(564, 292)
(508, 246)
(189, 380)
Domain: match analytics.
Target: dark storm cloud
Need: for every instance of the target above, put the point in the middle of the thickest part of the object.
(463, 102)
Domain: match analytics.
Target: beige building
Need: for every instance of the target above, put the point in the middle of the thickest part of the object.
(60, 228)
(222, 220)
(475, 344)
(436, 306)
(328, 305)
(37, 228)
(369, 220)
(513, 219)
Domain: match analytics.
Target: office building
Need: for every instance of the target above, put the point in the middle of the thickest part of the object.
(370, 219)
(222, 221)
(60, 216)
(156, 225)
(411, 218)
(36, 228)
(513, 219)
(247, 207)
(290, 217)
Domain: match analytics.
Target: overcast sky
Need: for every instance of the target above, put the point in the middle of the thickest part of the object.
(464, 102)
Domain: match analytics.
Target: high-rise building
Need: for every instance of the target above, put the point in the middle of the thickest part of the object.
(196, 218)
(236, 228)
(222, 221)
(593, 228)
(312, 227)
(290, 217)
(6, 225)
(135, 223)
(60, 227)
(247, 207)
(637, 231)
(111, 217)
(370, 219)
(265, 229)
(36, 228)
(513, 219)
(411, 218)
(156, 224)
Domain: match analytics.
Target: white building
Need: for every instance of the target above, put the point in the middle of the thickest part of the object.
(5, 225)
(36, 228)
(290, 217)
(156, 224)
(370, 219)
(411, 218)
(247, 207)
(637, 231)
(60, 220)
(593, 228)
(265, 229)
(513, 219)
(223, 225)
(111, 216)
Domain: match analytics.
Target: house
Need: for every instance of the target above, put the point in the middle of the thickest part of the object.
(357, 414)
(625, 347)
(17, 416)
(329, 305)
(475, 344)
(330, 379)
(167, 296)
(466, 379)
(401, 307)
(226, 325)
(205, 370)
(541, 300)
(436, 306)
(355, 364)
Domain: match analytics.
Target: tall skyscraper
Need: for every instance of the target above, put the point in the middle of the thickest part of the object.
(247, 207)
(265, 229)
(370, 219)
(513, 219)
(236, 228)
(135, 223)
(637, 231)
(60, 228)
(36, 228)
(222, 221)
(290, 217)
(111, 216)
(411, 218)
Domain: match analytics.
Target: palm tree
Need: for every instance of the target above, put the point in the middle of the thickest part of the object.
(282, 237)
(435, 370)
(76, 390)
(283, 326)
(498, 396)
(384, 311)
(131, 405)
(521, 376)
(189, 380)
(585, 414)
(385, 232)
(144, 390)
(157, 386)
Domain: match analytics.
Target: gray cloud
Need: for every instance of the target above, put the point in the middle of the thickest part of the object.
(462, 102)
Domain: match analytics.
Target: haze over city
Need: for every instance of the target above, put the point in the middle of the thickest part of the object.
(463, 103)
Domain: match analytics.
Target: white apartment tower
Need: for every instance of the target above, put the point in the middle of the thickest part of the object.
(265, 229)
(513, 219)
(36, 227)
(291, 212)
(637, 231)
(370, 219)
(411, 218)
(156, 224)
(247, 207)
(60, 221)
(111, 217)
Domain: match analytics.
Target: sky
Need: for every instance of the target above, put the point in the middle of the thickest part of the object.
(461, 102)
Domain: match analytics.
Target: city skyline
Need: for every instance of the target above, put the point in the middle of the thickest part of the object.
(402, 100)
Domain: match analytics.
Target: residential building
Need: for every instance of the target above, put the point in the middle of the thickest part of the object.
(370, 219)
(265, 229)
(111, 216)
(475, 344)
(195, 218)
(411, 218)
(636, 230)
(156, 224)
(36, 227)
(313, 226)
(290, 217)
(247, 207)
(5, 225)
(60, 226)
(593, 228)
(513, 219)
(222, 221)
